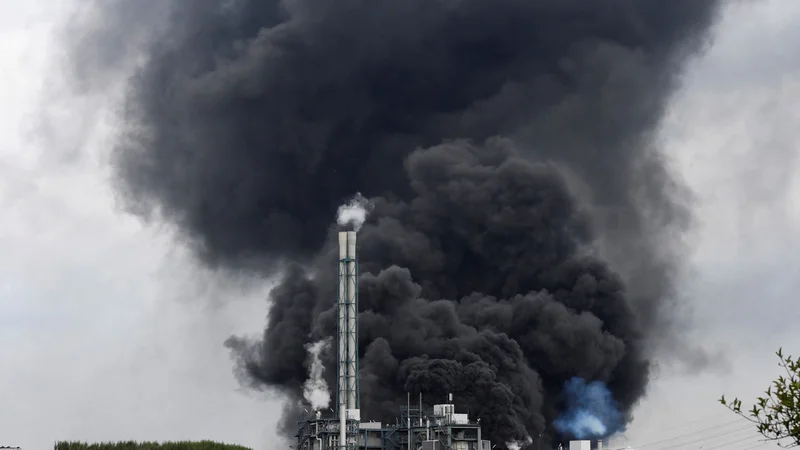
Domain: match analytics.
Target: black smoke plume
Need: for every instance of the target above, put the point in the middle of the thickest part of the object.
(525, 228)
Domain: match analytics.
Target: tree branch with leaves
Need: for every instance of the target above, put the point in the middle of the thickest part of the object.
(776, 415)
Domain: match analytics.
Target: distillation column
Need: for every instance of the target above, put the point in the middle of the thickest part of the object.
(347, 305)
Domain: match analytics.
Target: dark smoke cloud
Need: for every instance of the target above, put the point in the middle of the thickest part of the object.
(505, 145)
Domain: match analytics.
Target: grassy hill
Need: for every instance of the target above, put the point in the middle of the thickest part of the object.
(201, 445)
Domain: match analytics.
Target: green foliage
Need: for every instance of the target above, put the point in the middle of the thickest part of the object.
(201, 445)
(777, 414)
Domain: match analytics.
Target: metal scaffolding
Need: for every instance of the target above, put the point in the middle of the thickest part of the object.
(348, 401)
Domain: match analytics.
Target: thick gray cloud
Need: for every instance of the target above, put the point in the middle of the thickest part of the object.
(247, 125)
(107, 331)
(733, 132)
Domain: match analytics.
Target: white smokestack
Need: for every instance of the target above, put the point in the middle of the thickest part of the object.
(348, 339)
(352, 313)
(354, 212)
(315, 390)
(341, 357)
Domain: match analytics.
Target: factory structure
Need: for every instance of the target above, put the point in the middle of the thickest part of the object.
(599, 444)
(415, 428)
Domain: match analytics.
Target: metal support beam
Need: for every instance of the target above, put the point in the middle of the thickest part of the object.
(347, 305)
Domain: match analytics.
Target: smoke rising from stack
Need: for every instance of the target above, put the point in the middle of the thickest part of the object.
(354, 213)
(524, 229)
(315, 389)
(517, 445)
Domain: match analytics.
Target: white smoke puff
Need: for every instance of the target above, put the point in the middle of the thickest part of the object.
(315, 390)
(354, 212)
(517, 445)
(588, 424)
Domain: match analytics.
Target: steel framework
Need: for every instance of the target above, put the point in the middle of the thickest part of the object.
(348, 401)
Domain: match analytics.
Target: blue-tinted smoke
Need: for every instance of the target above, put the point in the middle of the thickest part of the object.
(591, 411)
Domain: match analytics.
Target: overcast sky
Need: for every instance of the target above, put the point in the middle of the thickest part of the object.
(109, 332)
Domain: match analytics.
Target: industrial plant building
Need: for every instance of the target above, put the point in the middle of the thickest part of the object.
(416, 428)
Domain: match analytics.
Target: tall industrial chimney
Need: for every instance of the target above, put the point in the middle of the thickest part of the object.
(347, 304)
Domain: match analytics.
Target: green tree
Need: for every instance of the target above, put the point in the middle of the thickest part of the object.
(777, 414)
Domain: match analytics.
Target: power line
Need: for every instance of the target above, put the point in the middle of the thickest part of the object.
(759, 445)
(713, 437)
(767, 442)
(703, 420)
(745, 445)
(737, 441)
(762, 445)
(675, 438)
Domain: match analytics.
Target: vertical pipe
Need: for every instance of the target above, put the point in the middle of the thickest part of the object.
(342, 359)
(428, 429)
(352, 314)
(420, 408)
(408, 419)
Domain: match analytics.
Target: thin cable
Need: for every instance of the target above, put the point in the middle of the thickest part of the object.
(689, 424)
(713, 437)
(746, 445)
(664, 441)
(757, 437)
(758, 446)
(736, 441)
(767, 442)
